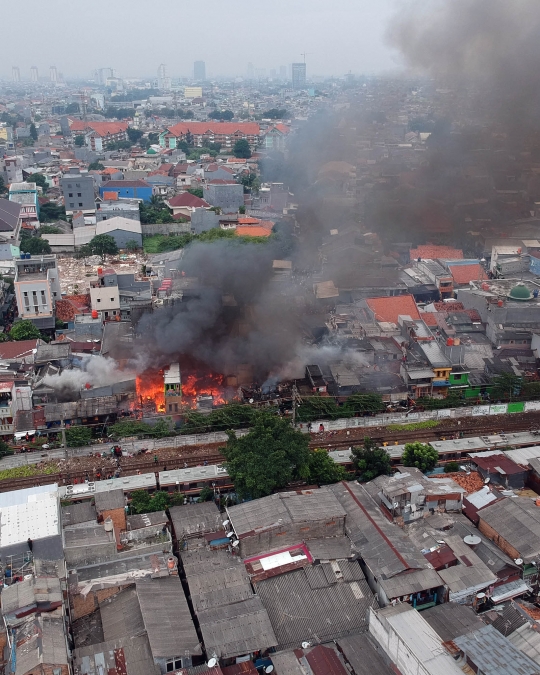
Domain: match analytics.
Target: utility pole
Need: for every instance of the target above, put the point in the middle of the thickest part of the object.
(63, 436)
(294, 395)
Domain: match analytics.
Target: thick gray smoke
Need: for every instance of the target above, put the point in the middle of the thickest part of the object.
(237, 314)
(490, 44)
(97, 371)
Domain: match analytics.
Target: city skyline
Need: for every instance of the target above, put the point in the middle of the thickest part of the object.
(349, 36)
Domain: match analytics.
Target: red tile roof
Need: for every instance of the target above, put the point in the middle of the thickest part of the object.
(252, 231)
(429, 318)
(187, 199)
(248, 220)
(448, 306)
(217, 128)
(110, 171)
(101, 128)
(462, 274)
(70, 305)
(431, 252)
(16, 350)
(110, 196)
(388, 309)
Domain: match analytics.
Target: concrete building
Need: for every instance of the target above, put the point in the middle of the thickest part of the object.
(299, 75)
(26, 194)
(227, 195)
(10, 227)
(124, 208)
(199, 71)
(130, 189)
(37, 288)
(122, 230)
(12, 168)
(226, 133)
(78, 191)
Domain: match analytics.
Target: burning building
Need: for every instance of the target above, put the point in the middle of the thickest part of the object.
(173, 388)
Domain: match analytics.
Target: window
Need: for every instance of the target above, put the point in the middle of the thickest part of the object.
(112, 299)
(43, 300)
(79, 194)
(70, 194)
(69, 185)
(77, 185)
(457, 376)
(80, 203)
(99, 299)
(72, 205)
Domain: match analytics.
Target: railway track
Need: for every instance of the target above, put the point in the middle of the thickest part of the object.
(191, 455)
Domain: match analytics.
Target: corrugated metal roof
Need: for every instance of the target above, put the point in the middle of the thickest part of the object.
(233, 630)
(516, 520)
(305, 605)
(492, 653)
(412, 582)
(450, 620)
(134, 651)
(364, 655)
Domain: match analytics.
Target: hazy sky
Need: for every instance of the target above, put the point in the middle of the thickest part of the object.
(135, 36)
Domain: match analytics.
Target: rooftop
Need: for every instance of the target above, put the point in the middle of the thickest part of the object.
(517, 521)
(285, 507)
(390, 308)
(433, 252)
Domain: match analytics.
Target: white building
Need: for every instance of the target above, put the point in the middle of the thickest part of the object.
(36, 289)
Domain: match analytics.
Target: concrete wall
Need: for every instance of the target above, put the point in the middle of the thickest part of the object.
(77, 555)
(166, 228)
(83, 606)
(228, 197)
(121, 237)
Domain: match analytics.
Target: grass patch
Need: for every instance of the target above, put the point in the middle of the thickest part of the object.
(27, 471)
(413, 426)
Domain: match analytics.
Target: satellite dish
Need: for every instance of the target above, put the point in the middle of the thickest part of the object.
(236, 543)
(269, 668)
(486, 480)
(440, 541)
(519, 561)
(226, 522)
(480, 596)
(230, 535)
(212, 663)
(305, 645)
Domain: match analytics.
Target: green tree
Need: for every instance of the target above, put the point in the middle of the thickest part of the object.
(197, 192)
(364, 403)
(242, 209)
(370, 461)
(451, 467)
(103, 245)
(206, 494)
(49, 212)
(95, 166)
(322, 468)
(33, 132)
(3, 188)
(275, 114)
(40, 180)
(5, 449)
(506, 386)
(134, 135)
(142, 502)
(132, 245)
(50, 229)
(269, 457)
(221, 115)
(241, 149)
(79, 140)
(78, 436)
(34, 245)
(153, 138)
(420, 455)
(119, 145)
(177, 499)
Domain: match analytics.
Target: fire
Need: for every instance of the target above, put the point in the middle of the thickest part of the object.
(150, 389)
(203, 385)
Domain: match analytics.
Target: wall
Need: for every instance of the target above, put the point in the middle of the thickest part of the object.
(83, 606)
(228, 197)
(121, 237)
(81, 189)
(118, 516)
(495, 537)
(105, 298)
(166, 228)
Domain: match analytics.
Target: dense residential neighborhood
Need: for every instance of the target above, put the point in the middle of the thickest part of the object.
(270, 351)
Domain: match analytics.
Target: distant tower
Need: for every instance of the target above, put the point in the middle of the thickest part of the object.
(34, 76)
(164, 82)
(103, 74)
(53, 74)
(16, 74)
(199, 71)
(299, 75)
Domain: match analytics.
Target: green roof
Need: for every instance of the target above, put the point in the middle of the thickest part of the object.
(520, 292)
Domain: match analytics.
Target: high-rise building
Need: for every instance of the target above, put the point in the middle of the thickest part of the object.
(34, 76)
(283, 72)
(53, 74)
(16, 74)
(199, 71)
(103, 74)
(299, 75)
(164, 82)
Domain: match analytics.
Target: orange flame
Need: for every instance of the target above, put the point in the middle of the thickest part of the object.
(150, 388)
(203, 385)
